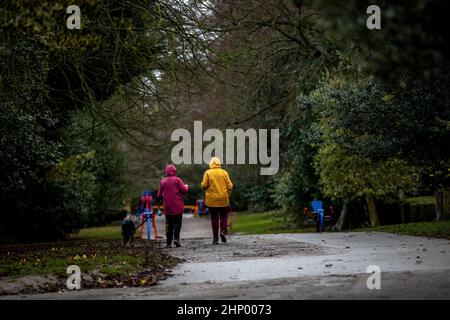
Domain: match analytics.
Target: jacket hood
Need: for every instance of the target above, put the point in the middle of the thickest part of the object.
(171, 170)
(214, 163)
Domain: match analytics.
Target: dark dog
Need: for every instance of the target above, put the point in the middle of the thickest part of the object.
(129, 226)
(128, 230)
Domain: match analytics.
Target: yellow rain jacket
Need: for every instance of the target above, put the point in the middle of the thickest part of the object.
(217, 184)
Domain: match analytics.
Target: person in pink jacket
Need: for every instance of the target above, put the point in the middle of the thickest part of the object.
(171, 190)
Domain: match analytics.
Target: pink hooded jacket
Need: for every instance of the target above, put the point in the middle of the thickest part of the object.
(172, 189)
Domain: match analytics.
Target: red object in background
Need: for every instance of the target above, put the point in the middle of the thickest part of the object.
(154, 225)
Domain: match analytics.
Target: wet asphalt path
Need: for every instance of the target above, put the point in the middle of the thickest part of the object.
(294, 266)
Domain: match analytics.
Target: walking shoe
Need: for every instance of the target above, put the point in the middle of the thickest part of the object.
(216, 241)
(169, 245)
(177, 243)
(222, 237)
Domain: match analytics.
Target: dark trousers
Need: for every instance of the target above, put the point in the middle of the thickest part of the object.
(219, 216)
(173, 227)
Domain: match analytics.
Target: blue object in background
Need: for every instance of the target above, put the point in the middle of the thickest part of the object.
(317, 207)
(149, 222)
(201, 207)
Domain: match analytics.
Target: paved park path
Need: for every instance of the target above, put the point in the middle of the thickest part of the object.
(293, 266)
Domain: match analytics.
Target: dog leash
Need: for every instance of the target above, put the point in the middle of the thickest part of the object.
(148, 217)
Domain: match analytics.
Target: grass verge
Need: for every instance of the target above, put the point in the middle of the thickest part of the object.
(274, 222)
(110, 232)
(263, 223)
(103, 260)
(434, 229)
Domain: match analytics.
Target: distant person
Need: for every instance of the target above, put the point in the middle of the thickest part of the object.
(171, 190)
(217, 186)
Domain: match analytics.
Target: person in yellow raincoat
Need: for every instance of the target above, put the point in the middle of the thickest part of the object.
(217, 186)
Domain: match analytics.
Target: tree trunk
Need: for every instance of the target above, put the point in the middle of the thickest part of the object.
(446, 203)
(372, 211)
(342, 218)
(439, 203)
(402, 212)
(401, 198)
